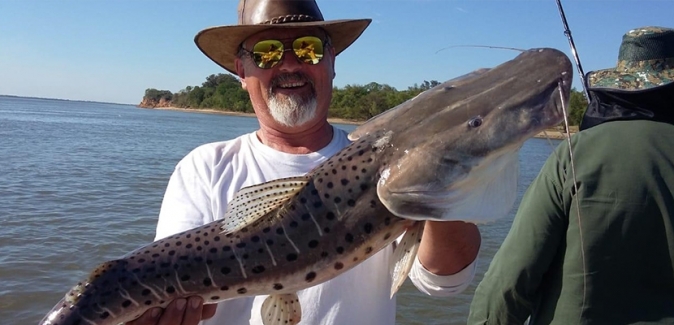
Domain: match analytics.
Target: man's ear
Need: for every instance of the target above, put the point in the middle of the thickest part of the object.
(240, 72)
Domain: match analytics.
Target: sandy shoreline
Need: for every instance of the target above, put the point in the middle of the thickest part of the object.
(550, 133)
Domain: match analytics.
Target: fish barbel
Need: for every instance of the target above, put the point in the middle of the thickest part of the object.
(450, 153)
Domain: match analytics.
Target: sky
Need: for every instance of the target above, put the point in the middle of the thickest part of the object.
(113, 50)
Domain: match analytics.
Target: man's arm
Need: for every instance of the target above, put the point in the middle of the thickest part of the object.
(446, 260)
(507, 292)
(185, 206)
(448, 247)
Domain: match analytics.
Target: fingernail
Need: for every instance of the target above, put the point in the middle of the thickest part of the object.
(180, 304)
(155, 312)
(195, 302)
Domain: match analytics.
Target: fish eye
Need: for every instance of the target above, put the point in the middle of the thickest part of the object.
(475, 121)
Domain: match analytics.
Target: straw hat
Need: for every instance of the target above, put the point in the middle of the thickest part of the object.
(645, 61)
(221, 43)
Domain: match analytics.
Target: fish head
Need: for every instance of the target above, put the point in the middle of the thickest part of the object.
(453, 150)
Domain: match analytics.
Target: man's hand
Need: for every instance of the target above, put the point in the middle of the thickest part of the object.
(179, 312)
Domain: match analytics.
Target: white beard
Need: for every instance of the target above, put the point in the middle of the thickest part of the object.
(292, 111)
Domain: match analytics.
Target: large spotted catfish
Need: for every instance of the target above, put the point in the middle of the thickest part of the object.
(451, 153)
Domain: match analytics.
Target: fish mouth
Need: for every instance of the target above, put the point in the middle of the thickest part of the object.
(550, 115)
(545, 114)
(559, 100)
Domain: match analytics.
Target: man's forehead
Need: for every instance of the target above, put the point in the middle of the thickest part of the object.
(282, 33)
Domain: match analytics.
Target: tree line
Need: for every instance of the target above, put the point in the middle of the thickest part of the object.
(352, 102)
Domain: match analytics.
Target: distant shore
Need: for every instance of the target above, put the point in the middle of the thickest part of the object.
(216, 111)
(550, 133)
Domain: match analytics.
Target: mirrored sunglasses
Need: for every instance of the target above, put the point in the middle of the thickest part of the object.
(268, 53)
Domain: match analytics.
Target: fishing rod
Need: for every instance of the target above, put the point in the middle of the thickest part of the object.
(567, 32)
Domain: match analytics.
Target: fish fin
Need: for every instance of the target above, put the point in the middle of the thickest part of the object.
(404, 254)
(281, 309)
(253, 202)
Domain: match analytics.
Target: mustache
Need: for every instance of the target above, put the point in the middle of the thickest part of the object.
(291, 77)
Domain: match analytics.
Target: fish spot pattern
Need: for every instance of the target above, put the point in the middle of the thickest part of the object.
(209, 257)
(310, 276)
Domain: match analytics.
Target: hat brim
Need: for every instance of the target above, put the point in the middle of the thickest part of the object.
(613, 79)
(221, 43)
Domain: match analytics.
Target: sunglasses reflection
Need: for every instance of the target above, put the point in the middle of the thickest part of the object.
(268, 53)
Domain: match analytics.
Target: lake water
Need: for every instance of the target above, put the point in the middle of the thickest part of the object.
(81, 183)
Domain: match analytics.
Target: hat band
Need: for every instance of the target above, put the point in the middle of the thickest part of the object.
(289, 19)
(646, 65)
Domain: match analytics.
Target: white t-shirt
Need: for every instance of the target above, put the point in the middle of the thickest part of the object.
(208, 177)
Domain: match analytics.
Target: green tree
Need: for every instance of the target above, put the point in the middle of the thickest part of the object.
(577, 107)
(353, 102)
(195, 97)
(214, 80)
(157, 95)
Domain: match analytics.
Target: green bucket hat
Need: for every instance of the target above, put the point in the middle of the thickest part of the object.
(645, 61)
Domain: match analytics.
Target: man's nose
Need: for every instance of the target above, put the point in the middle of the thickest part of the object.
(290, 62)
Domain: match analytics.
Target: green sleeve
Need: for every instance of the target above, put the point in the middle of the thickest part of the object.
(506, 294)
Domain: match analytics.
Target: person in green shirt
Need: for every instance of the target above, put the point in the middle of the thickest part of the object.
(593, 241)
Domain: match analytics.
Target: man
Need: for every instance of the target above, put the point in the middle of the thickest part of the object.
(593, 242)
(284, 53)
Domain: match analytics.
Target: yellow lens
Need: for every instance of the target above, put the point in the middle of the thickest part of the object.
(268, 53)
(309, 49)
